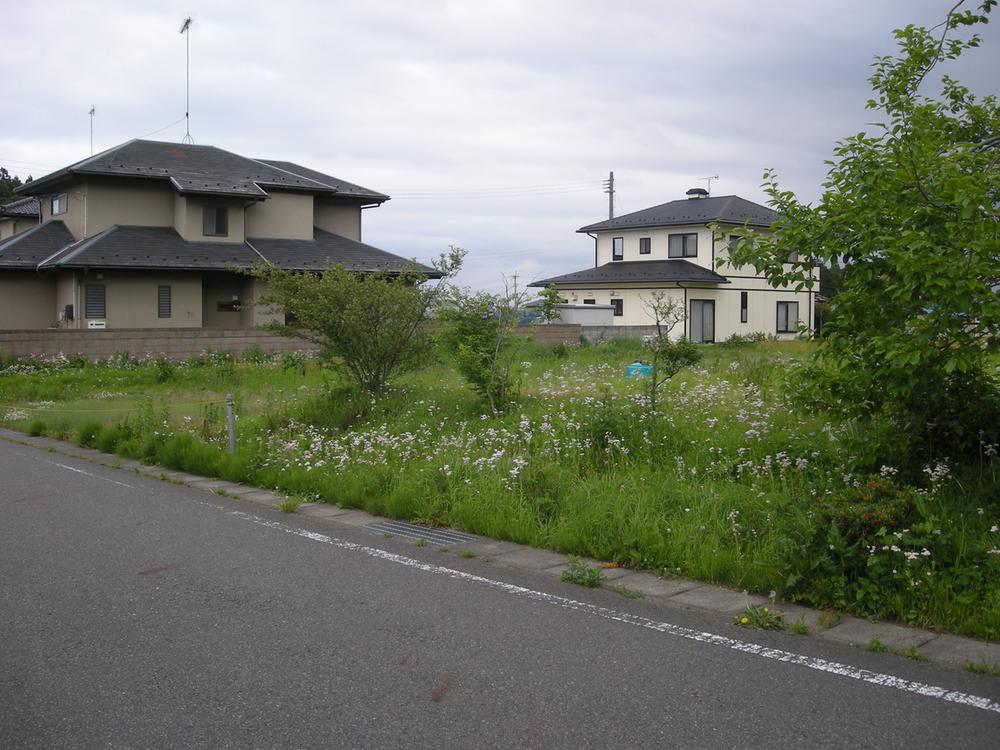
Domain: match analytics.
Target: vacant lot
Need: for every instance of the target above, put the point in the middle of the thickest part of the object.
(729, 481)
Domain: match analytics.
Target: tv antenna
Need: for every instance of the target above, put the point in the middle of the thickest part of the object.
(186, 29)
(708, 180)
(91, 113)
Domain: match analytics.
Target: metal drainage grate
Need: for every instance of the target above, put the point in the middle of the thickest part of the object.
(443, 537)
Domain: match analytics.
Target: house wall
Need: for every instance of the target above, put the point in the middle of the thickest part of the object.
(339, 217)
(220, 288)
(188, 218)
(27, 300)
(66, 294)
(75, 217)
(144, 203)
(762, 309)
(131, 299)
(283, 215)
(9, 226)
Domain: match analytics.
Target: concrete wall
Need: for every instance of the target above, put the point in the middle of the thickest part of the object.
(339, 217)
(282, 215)
(177, 343)
(131, 299)
(586, 315)
(189, 215)
(144, 203)
(27, 300)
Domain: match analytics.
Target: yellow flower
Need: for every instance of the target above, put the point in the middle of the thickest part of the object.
(765, 610)
(744, 620)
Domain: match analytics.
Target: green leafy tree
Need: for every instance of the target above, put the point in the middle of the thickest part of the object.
(480, 335)
(669, 357)
(912, 211)
(548, 309)
(370, 326)
(7, 184)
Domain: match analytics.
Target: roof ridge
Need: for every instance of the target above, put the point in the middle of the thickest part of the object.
(15, 238)
(80, 245)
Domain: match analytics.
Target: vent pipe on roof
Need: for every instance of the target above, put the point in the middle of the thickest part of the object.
(696, 194)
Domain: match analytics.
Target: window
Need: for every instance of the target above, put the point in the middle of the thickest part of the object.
(233, 306)
(788, 317)
(216, 221)
(744, 304)
(94, 301)
(702, 319)
(590, 302)
(59, 203)
(617, 248)
(683, 246)
(617, 304)
(644, 244)
(163, 301)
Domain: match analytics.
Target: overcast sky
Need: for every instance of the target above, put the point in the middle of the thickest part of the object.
(491, 124)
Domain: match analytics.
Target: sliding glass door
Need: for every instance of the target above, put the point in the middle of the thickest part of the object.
(702, 319)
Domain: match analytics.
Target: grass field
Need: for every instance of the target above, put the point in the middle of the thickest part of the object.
(728, 481)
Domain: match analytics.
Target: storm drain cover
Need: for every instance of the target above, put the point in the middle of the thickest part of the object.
(443, 537)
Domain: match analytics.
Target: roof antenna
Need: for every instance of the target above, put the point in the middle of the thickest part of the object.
(186, 29)
(91, 113)
(709, 181)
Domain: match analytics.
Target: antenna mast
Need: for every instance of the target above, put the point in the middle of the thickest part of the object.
(709, 181)
(186, 29)
(91, 113)
(609, 188)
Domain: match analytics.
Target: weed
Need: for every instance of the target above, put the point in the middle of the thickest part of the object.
(760, 618)
(386, 535)
(830, 618)
(36, 428)
(878, 647)
(420, 543)
(467, 553)
(911, 652)
(981, 667)
(443, 549)
(220, 491)
(289, 505)
(624, 591)
(580, 573)
(798, 627)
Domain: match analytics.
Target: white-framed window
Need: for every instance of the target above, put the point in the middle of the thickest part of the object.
(682, 245)
(788, 317)
(618, 248)
(215, 222)
(619, 307)
(59, 204)
(645, 246)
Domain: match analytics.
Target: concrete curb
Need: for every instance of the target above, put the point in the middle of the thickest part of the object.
(939, 648)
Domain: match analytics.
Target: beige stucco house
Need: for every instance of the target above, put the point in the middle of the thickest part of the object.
(154, 235)
(671, 248)
(17, 216)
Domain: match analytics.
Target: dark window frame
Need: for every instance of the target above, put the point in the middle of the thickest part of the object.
(590, 302)
(228, 306)
(744, 306)
(645, 246)
(99, 307)
(791, 324)
(685, 252)
(619, 305)
(210, 221)
(164, 301)
(617, 248)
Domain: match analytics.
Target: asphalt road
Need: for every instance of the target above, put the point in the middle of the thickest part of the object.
(139, 614)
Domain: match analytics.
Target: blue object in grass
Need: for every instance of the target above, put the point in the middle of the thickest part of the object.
(638, 369)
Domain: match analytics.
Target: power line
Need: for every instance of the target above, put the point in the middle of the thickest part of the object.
(487, 191)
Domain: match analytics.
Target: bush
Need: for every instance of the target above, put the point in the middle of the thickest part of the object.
(86, 433)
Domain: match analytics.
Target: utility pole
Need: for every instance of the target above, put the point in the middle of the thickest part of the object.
(186, 29)
(91, 113)
(609, 188)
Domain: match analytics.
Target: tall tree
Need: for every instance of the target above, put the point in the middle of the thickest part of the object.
(912, 210)
(7, 184)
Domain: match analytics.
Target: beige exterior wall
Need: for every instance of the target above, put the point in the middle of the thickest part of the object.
(131, 299)
(144, 203)
(27, 300)
(9, 226)
(75, 217)
(282, 215)
(189, 215)
(339, 217)
(762, 309)
(66, 294)
(218, 289)
(259, 314)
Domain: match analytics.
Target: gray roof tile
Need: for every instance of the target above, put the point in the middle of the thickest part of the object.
(728, 209)
(22, 207)
(328, 249)
(29, 248)
(639, 272)
(341, 186)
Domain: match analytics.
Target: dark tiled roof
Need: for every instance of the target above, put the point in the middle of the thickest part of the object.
(21, 207)
(151, 248)
(729, 209)
(29, 248)
(204, 170)
(639, 272)
(341, 186)
(328, 249)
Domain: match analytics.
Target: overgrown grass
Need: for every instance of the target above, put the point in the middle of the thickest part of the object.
(728, 482)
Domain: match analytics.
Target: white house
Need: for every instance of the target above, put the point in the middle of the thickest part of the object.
(670, 248)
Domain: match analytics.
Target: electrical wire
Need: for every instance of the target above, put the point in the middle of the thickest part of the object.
(165, 127)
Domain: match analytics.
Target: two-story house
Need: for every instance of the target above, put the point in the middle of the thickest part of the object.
(150, 234)
(17, 216)
(671, 248)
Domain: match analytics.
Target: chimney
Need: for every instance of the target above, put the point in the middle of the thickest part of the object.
(695, 194)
